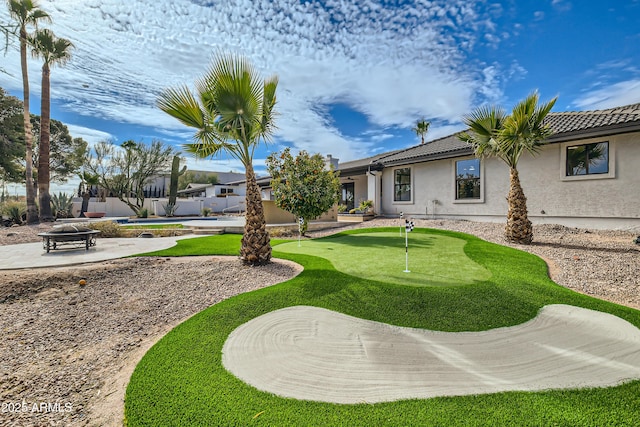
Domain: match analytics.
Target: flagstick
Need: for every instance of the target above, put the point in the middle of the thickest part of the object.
(406, 250)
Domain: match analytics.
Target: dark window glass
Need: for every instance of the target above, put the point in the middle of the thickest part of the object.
(588, 159)
(468, 179)
(402, 185)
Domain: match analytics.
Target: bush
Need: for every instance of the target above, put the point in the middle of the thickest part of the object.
(143, 213)
(170, 209)
(15, 211)
(365, 205)
(62, 205)
(352, 211)
(206, 211)
(342, 208)
(106, 228)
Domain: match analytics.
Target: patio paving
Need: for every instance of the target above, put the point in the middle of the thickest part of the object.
(32, 255)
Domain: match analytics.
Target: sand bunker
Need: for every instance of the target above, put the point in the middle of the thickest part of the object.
(316, 354)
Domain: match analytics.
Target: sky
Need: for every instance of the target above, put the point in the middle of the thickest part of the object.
(354, 76)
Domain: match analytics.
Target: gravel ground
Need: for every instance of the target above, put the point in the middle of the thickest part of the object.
(74, 347)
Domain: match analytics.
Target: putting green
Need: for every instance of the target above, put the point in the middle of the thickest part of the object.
(434, 260)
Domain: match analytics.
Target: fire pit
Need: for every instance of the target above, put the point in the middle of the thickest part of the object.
(76, 235)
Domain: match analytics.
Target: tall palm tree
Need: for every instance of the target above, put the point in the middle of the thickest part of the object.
(492, 133)
(421, 128)
(233, 112)
(26, 13)
(52, 50)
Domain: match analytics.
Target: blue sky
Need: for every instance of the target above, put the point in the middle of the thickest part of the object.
(354, 75)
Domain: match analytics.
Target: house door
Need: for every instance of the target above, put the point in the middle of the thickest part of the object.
(347, 195)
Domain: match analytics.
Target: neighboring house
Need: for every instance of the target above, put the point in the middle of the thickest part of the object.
(158, 186)
(586, 176)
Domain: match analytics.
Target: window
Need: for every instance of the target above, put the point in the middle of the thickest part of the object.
(588, 159)
(402, 185)
(348, 190)
(468, 179)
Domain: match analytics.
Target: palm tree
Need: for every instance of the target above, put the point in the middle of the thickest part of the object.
(421, 129)
(233, 112)
(494, 134)
(26, 13)
(53, 51)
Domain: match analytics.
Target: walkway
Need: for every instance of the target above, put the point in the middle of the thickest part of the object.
(32, 255)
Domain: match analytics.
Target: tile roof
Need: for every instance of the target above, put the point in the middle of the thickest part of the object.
(566, 125)
(448, 146)
(363, 163)
(576, 122)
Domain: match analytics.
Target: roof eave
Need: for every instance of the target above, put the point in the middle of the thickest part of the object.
(594, 133)
(431, 157)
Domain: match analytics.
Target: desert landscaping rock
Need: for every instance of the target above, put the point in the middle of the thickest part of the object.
(65, 343)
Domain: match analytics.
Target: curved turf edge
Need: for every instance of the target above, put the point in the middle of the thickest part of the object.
(181, 381)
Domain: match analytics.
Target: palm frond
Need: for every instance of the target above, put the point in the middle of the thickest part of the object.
(232, 111)
(484, 124)
(52, 49)
(180, 103)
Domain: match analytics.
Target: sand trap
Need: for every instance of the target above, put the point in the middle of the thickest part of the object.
(316, 354)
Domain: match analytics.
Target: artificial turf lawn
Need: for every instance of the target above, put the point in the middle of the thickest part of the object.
(434, 260)
(181, 381)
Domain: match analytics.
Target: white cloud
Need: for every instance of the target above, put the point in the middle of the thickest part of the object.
(561, 5)
(92, 136)
(615, 95)
(394, 64)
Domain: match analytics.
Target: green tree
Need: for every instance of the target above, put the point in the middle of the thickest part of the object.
(11, 138)
(52, 50)
(194, 177)
(233, 112)
(303, 185)
(27, 14)
(421, 128)
(66, 153)
(492, 133)
(125, 171)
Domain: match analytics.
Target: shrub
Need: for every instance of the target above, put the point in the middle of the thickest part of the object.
(206, 211)
(15, 211)
(342, 208)
(106, 228)
(62, 205)
(143, 213)
(365, 205)
(352, 211)
(170, 209)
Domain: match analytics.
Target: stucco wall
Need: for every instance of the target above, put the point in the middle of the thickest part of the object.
(592, 202)
(275, 215)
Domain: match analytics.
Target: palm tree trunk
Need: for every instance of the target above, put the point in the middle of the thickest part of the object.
(256, 245)
(43, 153)
(32, 209)
(518, 229)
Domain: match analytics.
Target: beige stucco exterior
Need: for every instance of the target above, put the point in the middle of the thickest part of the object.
(595, 201)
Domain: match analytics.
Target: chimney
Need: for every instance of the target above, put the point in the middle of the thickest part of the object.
(330, 161)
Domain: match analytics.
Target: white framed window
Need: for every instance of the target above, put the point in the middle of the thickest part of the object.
(593, 160)
(469, 181)
(402, 188)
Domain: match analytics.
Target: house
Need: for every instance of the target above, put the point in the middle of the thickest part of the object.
(586, 176)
